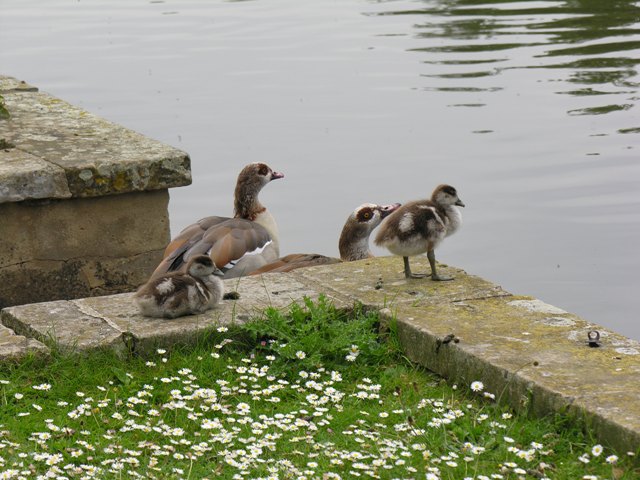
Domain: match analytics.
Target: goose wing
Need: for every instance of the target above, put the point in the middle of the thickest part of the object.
(173, 257)
(227, 242)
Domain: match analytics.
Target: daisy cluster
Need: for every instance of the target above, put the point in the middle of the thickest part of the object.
(235, 417)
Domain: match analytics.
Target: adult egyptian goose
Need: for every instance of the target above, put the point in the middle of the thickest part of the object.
(176, 293)
(238, 245)
(353, 244)
(420, 226)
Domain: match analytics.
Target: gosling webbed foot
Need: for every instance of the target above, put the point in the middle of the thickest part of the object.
(434, 273)
(440, 278)
(408, 273)
(416, 275)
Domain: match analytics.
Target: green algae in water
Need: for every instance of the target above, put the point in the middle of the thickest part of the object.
(629, 130)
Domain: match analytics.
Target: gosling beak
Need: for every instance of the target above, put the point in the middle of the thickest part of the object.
(388, 209)
(460, 203)
(276, 175)
(218, 273)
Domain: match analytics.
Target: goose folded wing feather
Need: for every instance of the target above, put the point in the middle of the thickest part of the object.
(239, 244)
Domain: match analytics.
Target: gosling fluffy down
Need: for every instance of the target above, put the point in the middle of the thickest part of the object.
(420, 226)
(177, 293)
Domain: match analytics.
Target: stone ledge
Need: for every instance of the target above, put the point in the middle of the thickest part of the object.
(10, 84)
(113, 321)
(533, 355)
(529, 354)
(25, 177)
(15, 347)
(81, 247)
(73, 153)
(83, 201)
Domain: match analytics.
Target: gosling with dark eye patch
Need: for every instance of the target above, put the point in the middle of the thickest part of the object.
(353, 243)
(176, 294)
(420, 226)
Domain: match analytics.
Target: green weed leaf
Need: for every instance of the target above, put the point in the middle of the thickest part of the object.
(121, 375)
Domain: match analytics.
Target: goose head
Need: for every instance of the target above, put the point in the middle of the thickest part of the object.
(446, 195)
(251, 180)
(354, 239)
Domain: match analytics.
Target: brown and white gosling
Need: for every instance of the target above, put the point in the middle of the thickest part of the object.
(182, 293)
(419, 226)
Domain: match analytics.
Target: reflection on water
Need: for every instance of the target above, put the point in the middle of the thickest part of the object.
(528, 107)
(592, 40)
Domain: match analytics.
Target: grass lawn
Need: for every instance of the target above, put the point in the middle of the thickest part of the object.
(313, 394)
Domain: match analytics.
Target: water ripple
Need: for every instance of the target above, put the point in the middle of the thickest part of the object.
(595, 40)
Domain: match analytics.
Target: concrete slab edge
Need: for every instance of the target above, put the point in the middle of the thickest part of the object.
(15, 347)
(523, 394)
(74, 153)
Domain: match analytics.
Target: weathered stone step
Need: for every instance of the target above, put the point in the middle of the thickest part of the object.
(113, 321)
(15, 347)
(93, 194)
(528, 353)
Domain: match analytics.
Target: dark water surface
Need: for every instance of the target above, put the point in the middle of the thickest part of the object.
(529, 108)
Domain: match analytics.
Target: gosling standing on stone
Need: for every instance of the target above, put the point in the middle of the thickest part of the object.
(176, 294)
(420, 226)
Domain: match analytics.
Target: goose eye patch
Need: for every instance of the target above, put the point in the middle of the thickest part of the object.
(365, 214)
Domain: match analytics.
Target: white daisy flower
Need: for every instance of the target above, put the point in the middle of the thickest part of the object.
(477, 386)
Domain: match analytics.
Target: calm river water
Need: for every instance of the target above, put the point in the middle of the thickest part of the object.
(529, 108)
